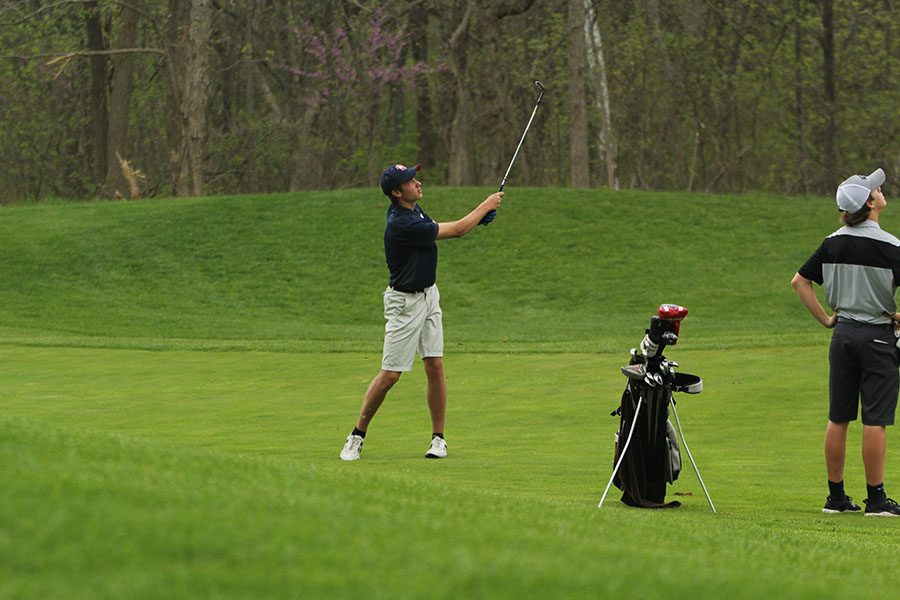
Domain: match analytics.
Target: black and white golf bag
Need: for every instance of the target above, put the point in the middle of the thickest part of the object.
(647, 454)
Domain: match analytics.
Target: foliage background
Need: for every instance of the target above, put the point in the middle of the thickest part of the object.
(787, 96)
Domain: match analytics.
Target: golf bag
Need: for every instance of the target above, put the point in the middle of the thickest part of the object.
(647, 454)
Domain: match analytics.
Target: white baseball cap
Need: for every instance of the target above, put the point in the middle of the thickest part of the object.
(854, 191)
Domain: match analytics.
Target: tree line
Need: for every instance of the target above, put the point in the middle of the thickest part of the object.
(136, 98)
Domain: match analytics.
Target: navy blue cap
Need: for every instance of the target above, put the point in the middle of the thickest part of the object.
(395, 175)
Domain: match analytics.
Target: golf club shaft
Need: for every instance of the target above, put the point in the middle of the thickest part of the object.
(509, 168)
(637, 411)
(691, 456)
(524, 133)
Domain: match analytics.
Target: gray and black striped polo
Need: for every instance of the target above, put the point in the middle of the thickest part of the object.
(859, 268)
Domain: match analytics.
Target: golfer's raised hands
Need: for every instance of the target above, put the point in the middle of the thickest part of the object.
(492, 203)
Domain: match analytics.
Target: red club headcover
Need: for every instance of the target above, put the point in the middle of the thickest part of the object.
(673, 313)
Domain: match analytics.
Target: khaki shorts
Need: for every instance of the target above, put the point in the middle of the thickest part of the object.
(413, 323)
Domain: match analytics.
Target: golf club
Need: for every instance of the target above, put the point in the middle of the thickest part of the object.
(490, 216)
(524, 133)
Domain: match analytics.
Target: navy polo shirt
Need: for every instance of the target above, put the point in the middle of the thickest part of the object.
(410, 248)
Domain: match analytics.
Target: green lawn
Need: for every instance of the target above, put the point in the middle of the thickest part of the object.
(177, 378)
(558, 271)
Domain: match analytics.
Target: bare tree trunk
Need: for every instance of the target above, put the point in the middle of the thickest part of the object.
(597, 65)
(197, 92)
(424, 113)
(493, 120)
(830, 158)
(491, 133)
(396, 90)
(659, 39)
(176, 67)
(99, 117)
(120, 102)
(579, 167)
(799, 114)
(458, 166)
(190, 30)
(459, 170)
(370, 135)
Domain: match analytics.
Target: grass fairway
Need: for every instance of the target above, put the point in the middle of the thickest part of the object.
(177, 379)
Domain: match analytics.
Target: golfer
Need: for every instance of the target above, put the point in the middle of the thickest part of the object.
(412, 302)
(859, 267)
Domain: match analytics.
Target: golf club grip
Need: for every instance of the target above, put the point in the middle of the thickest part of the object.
(493, 212)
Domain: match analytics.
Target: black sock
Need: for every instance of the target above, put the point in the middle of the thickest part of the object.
(361, 434)
(876, 492)
(440, 435)
(836, 490)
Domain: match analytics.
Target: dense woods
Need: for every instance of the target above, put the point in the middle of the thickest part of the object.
(136, 98)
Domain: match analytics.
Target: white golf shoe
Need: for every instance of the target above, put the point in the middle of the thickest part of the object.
(352, 447)
(438, 448)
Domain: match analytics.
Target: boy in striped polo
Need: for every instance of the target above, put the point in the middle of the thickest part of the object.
(859, 267)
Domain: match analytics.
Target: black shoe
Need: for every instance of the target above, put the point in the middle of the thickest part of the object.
(841, 505)
(886, 508)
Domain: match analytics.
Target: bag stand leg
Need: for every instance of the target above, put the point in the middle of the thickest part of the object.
(691, 456)
(637, 411)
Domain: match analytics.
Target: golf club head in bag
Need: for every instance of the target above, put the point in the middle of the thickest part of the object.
(672, 313)
(664, 328)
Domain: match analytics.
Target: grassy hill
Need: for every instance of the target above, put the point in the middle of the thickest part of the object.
(560, 270)
(177, 378)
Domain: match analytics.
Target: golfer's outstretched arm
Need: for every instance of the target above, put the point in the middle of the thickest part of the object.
(804, 289)
(468, 222)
